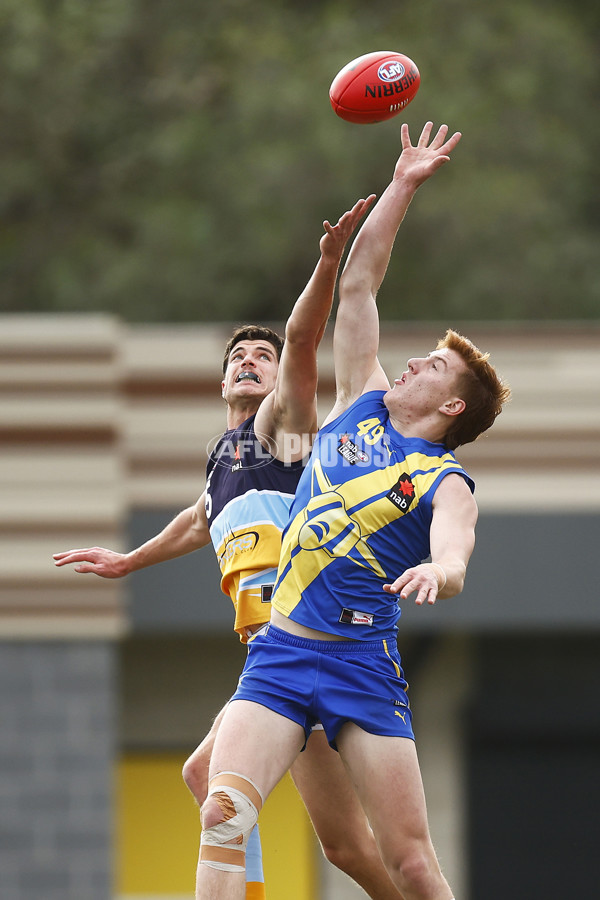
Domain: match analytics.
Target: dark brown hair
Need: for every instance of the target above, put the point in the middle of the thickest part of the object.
(252, 333)
(479, 386)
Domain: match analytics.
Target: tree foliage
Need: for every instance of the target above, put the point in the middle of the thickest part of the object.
(174, 161)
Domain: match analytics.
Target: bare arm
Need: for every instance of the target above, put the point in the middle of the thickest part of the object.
(291, 408)
(186, 532)
(452, 539)
(356, 335)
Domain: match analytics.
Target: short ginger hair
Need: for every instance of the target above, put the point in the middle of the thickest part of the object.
(481, 388)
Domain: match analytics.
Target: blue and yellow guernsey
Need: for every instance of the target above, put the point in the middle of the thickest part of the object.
(248, 497)
(361, 516)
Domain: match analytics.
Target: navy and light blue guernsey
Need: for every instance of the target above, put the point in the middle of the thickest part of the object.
(361, 516)
(248, 497)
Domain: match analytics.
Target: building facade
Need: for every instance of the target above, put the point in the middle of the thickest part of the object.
(106, 686)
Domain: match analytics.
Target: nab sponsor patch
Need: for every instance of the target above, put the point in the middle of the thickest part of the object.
(266, 592)
(403, 493)
(237, 465)
(354, 617)
(351, 451)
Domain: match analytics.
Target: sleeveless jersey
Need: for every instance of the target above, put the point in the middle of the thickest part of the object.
(361, 516)
(248, 498)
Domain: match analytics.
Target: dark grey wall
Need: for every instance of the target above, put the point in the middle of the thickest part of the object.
(533, 747)
(57, 750)
(528, 571)
(182, 595)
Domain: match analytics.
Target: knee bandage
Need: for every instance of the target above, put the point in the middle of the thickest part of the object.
(237, 803)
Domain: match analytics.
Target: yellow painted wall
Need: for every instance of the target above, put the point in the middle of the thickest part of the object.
(157, 834)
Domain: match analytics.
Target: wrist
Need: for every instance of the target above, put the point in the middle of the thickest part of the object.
(407, 182)
(441, 575)
(330, 259)
(130, 562)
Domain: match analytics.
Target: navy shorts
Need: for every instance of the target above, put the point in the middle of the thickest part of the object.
(332, 682)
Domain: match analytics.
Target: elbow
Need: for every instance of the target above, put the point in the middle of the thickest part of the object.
(356, 286)
(304, 335)
(452, 589)
(198, 530)
(358, 300)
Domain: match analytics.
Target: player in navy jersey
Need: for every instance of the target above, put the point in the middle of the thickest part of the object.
(383, 511)
(252, 475)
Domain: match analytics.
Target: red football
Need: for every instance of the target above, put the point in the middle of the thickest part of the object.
(374, 87)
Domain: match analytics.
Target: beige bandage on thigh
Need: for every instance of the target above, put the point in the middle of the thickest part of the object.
(223, 845)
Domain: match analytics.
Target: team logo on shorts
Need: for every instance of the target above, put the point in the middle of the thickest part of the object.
(403, 493)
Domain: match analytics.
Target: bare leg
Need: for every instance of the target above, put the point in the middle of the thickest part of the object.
(386, 776)
(339, 819)
(195, 769)
(195, 775)
(260, 745)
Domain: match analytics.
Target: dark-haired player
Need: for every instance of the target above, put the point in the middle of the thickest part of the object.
(252, 475)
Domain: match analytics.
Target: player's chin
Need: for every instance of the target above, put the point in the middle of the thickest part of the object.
(250, 389)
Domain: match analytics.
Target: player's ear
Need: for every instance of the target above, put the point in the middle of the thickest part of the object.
(453, 407)
(222, 389)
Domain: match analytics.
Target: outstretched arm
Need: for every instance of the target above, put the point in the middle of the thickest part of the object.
(356, 335)
(452, 538)
(291, 408)
(186, 532)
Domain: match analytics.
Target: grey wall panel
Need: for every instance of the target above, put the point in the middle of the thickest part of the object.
(527, 571)
(180, 595)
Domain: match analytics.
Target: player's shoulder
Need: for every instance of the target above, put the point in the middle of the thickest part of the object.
(368, 402)
(455, 486)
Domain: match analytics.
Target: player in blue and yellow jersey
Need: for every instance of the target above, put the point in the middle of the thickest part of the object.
(383, 511)
(252, 475)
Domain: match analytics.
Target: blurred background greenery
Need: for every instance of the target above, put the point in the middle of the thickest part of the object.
(172, 160)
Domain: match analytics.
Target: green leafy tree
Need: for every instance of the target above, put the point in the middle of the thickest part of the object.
(174, 161)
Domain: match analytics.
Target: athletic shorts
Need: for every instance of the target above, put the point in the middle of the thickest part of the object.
(332, 682)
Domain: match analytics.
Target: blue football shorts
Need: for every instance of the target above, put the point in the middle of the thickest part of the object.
(332, 682)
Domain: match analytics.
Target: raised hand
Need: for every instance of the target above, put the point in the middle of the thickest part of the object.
(336, 236)
(417, 164)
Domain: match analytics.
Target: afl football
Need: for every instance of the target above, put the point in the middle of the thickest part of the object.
(374, 87)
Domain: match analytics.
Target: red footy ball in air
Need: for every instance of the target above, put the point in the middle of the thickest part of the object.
(374, 87)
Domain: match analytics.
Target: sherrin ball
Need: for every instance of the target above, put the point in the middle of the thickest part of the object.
(374, 87)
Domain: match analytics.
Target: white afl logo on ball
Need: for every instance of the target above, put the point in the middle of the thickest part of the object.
(391, 70)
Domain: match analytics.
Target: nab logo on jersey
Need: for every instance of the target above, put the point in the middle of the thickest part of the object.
(237, 465)
(403, 493)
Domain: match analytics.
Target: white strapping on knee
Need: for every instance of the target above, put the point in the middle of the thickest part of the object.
(223, 846)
